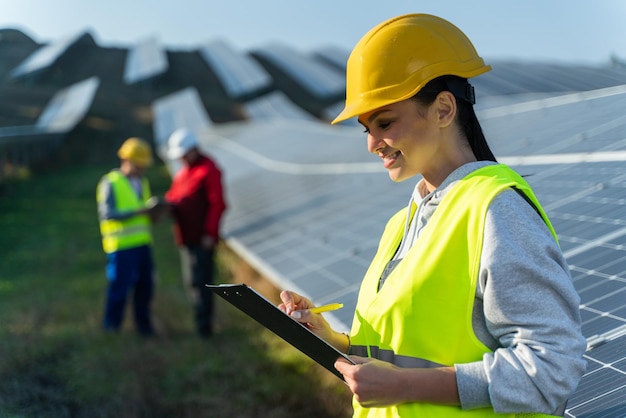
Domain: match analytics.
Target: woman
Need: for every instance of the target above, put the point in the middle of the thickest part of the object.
(468, 307)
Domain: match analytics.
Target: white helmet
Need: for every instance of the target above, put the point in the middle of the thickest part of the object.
(180, 142)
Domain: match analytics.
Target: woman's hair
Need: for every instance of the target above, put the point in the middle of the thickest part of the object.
(466, 116)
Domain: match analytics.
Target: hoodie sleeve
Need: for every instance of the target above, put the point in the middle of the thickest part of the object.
(531, 313)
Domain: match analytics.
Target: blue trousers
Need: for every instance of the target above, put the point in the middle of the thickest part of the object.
(129, 270)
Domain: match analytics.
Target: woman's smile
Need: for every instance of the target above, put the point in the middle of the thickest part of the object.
(390, 158)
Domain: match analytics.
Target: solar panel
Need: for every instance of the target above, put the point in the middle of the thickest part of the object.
(514, 78)
(68, 106)
(45, 56)
(147, 59)
(318, 79)
(238, 73)
(275, 105)
(334, 55)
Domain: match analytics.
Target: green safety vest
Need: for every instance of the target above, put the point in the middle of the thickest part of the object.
(131, 232)
(422, 316)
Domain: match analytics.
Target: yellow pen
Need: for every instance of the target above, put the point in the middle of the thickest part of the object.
(326, 308)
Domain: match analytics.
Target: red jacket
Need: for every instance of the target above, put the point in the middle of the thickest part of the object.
(198, 202)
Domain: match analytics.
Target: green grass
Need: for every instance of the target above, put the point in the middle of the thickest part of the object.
(56, 362)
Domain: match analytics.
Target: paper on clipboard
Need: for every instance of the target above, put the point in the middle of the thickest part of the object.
(267, 314)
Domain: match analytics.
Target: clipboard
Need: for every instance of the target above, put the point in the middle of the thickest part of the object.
(267, 314)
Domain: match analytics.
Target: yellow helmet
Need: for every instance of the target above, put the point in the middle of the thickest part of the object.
(396, 58)
(137, 151)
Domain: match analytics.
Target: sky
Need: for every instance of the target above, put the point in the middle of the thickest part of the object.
(585, 31)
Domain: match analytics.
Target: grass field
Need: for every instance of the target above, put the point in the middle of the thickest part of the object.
(56, 362)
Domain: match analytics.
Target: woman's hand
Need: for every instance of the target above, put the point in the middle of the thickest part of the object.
(292, 301)
(298, 306)
(377, 383)
(373, 382)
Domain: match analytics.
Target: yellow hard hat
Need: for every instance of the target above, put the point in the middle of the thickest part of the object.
(396, 58)
(137, 151)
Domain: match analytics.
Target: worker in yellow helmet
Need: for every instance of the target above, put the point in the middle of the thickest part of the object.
(126, 210)
(468, 307)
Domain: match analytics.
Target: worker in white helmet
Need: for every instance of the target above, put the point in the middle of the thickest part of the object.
(196, 199)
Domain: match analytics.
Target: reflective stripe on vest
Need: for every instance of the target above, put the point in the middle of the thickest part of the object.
(391, 357)
(422, 317)
(120, 234)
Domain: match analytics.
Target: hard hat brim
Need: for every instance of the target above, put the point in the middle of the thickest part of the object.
(368, 104)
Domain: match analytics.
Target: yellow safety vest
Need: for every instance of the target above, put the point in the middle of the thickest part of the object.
(422, 316)
(132, 232)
